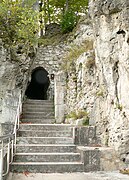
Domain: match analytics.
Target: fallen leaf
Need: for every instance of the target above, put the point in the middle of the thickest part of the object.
(26, 173)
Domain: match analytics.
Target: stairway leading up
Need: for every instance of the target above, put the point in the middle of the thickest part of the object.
(46, 147)
(43, 146)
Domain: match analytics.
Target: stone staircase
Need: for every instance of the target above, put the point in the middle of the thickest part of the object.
(45, 147)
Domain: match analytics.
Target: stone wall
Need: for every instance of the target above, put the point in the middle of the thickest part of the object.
(49, 57)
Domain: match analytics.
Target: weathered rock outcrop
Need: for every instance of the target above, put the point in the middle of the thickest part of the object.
(13, 79)
(111, 108)
(103, 88)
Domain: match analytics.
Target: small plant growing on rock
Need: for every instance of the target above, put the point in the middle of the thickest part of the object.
(119, 106)
(81, 114)
(72, 115)
(100, 93)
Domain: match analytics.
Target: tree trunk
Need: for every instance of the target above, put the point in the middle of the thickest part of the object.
(48, 11)
(67, 5)
(41, 18)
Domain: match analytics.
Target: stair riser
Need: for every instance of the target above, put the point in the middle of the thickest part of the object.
(39, 113)
(38, 104)
(44, 134)
(44, 141)
(38, 121)
(46, 149)
(35, 109)
(47, 158)
(47, 168)
(37, 116)
(39, 101)
(45, 127)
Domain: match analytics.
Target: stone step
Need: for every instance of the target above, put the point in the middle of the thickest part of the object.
(50, 105)
(44, 114)
(45, 106)
(38, 121)
(40, 133)
(34, 101)
(37, 148)
(47, 167)
(37, 109)
(47, 157)
(38, 116)
(50, 127)
(45, 140)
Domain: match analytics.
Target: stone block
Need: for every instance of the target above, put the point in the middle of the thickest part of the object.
(85, 135)
(99, 158)
(59, 113)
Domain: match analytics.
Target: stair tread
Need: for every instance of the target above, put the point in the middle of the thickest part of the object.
(42, 124)
(46, 163)
(57, 153)
(46, 145)
(46, 137)
(46, 131)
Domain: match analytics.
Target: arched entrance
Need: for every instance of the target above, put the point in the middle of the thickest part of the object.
(37, 88)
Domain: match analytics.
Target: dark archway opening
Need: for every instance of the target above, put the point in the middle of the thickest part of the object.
(37, 88)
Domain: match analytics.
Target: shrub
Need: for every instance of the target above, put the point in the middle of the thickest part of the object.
(68, 21)
(81, 114)
(78, 115)
(72, 115)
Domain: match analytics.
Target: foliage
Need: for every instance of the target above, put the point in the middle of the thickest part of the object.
(72, 115)
(86, 121)
(68, 22)
(18, 23)
(81, 114)
(77, 115)
(119, 106)
(100, 92)
(59, 10)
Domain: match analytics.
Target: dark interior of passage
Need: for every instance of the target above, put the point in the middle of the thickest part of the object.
(37, 88)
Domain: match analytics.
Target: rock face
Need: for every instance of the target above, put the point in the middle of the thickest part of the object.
(111, 107)
(13, 79)
(81, 72)
(102, 89)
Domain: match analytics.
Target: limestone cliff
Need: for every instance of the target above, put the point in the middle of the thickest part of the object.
(111, 109)
(102, 89)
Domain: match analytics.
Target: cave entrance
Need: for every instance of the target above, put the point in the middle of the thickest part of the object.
(37, 88)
